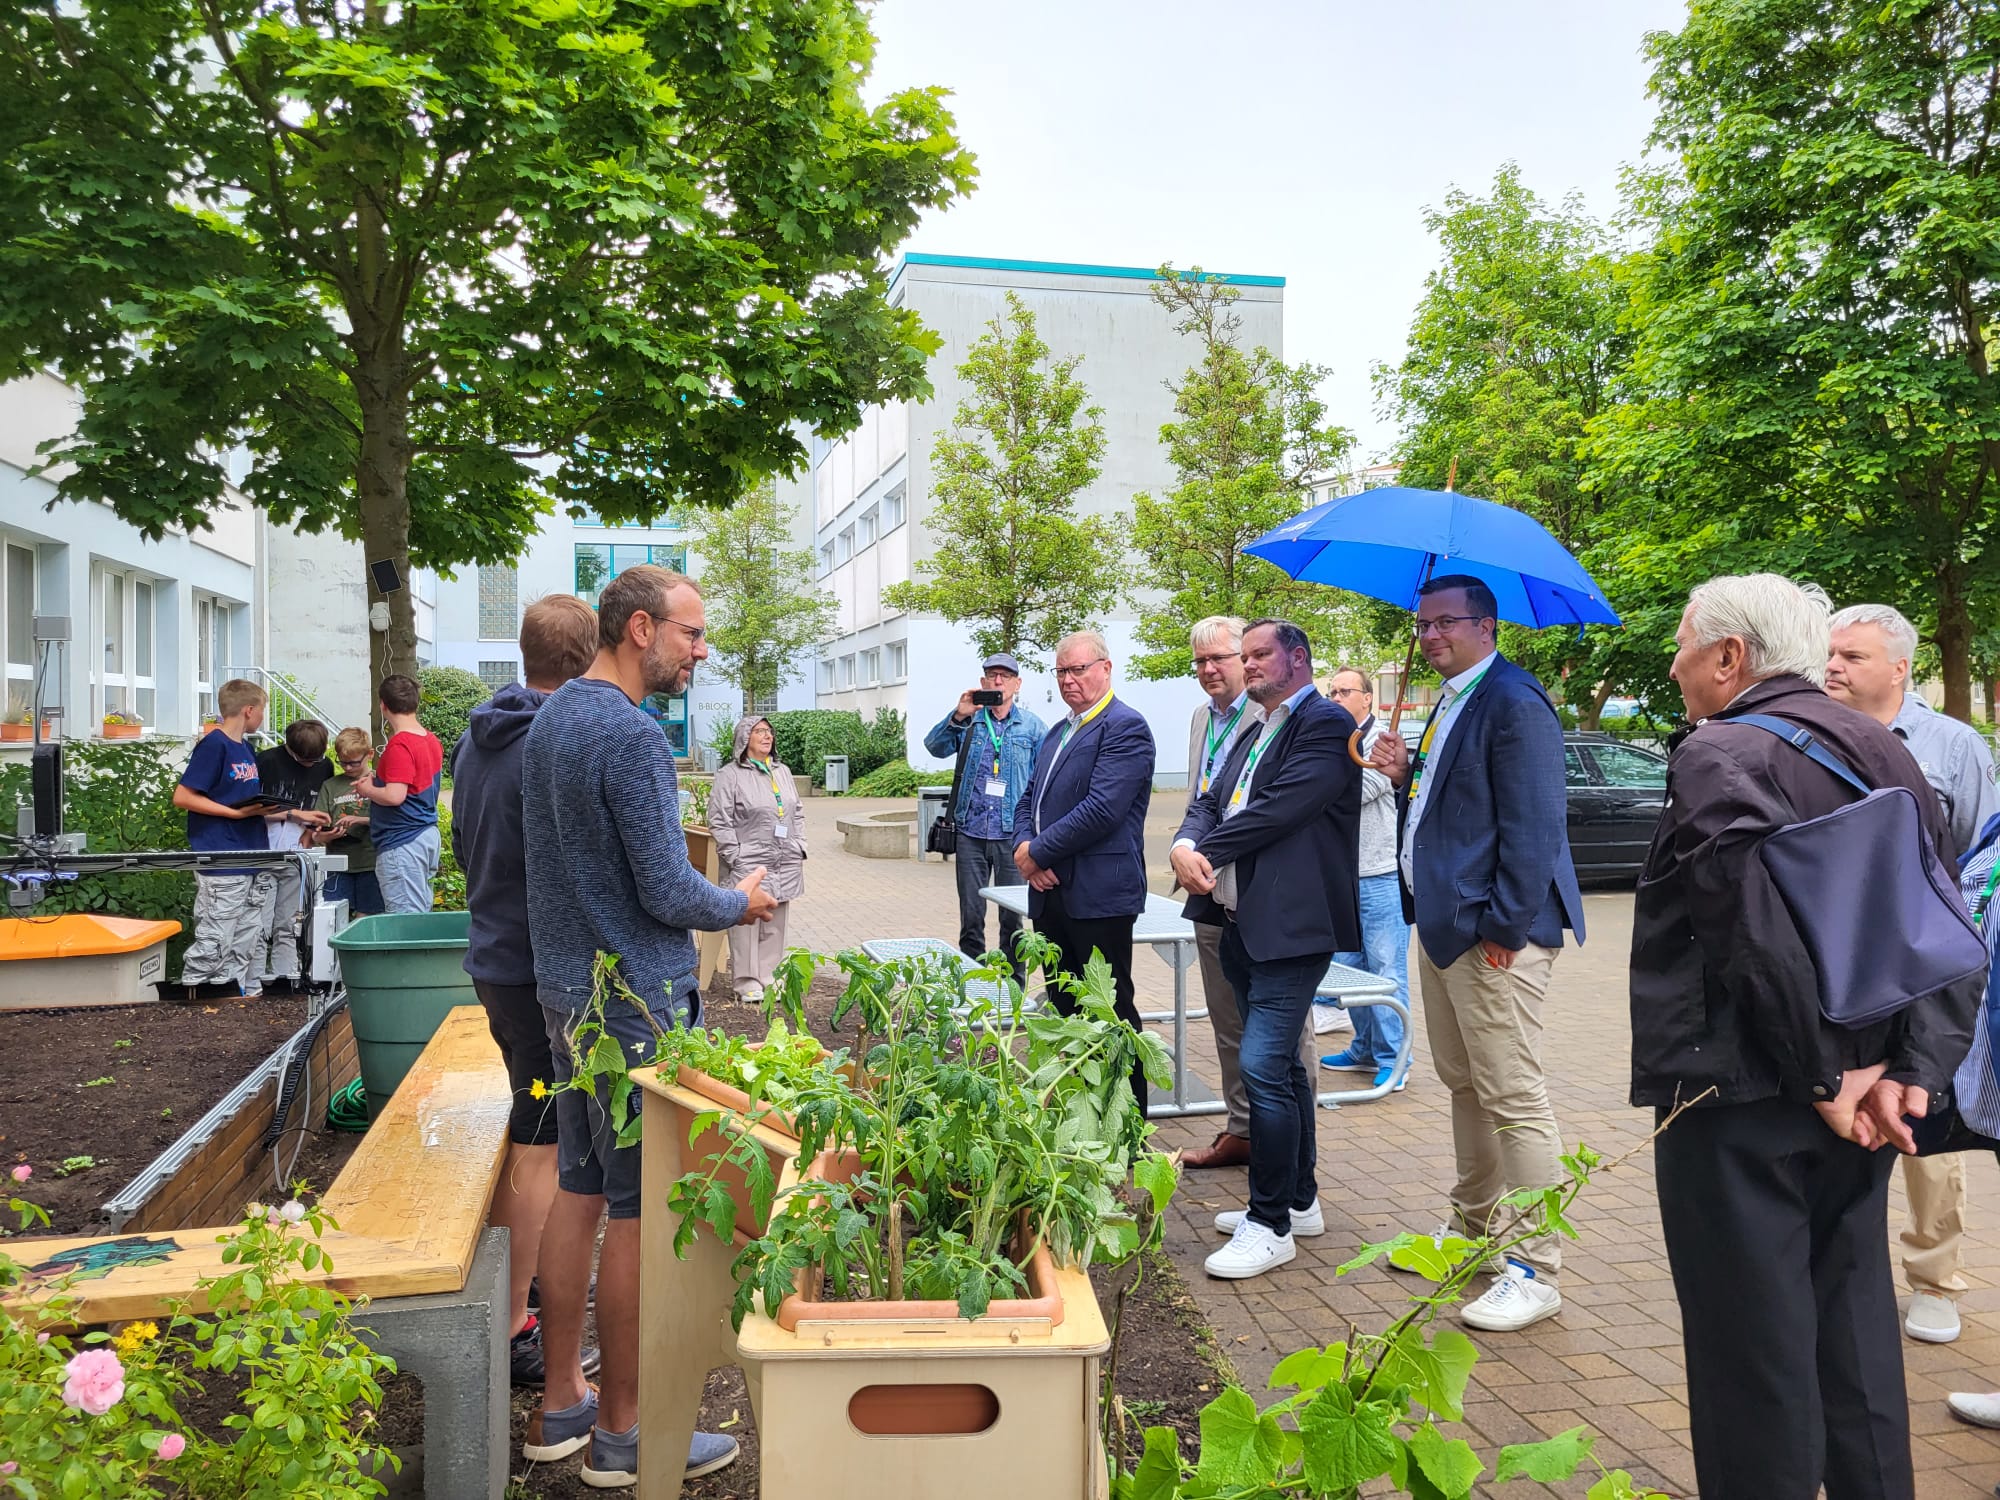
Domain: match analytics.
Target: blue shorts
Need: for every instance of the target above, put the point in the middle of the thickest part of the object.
(359, 888)
(589, 1160)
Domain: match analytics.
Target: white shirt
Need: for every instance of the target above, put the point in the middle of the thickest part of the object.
(1070, 726)
(1447, 717)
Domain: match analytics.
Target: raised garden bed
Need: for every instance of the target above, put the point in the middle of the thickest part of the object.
(109, 1090)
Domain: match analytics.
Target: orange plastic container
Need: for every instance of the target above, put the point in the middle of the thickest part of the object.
(81, 959)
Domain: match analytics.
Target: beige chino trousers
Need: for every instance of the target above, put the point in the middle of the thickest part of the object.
(1485, 1028)
(1934, 1229)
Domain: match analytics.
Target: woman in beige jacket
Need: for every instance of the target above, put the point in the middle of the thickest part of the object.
(757, 819)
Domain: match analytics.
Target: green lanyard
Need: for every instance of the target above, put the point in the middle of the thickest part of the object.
(1241, 791)
(776, 795)
(993, 732)
(1217, 738)
(1986, 896)
(1437, 718)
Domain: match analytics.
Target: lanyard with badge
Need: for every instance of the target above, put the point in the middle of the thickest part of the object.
(1217, 738)
(996, 784)
(1069, 731)
(1241, 793)
(777, 796)
(1431, 728)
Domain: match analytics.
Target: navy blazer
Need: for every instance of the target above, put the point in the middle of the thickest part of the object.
(1093, 814)
(1295, 843)
(1492, 853)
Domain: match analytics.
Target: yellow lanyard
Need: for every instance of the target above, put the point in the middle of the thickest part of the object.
(1431, 727)
(1216, 739)
(1242, 788)
(776, 795)
(1098, 708)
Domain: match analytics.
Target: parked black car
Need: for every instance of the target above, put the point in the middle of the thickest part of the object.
(1616, 795)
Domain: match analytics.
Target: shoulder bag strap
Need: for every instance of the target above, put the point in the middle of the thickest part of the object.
(1801, 739)
(958, 771)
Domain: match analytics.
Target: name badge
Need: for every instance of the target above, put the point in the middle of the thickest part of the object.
(995, 788)
(784, 830)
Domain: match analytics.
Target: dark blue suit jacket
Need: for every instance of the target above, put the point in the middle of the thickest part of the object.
(1492, 852)
(1296, 842)
(1093, 814)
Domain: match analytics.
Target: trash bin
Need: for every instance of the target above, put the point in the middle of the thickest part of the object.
(403, 973)
(834, 777)
(931, 804)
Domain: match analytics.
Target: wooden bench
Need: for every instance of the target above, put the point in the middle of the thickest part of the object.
(874, 840)
(411, 1204)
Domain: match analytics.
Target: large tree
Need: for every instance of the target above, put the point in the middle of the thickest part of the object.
(1249, 438)
(443, 265)
(1014, 560)
(1818, 310)
(764, 611)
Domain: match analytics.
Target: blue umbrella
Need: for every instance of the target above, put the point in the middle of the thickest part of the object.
(1385, 543)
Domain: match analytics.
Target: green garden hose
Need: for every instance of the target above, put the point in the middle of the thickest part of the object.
(348, 1109)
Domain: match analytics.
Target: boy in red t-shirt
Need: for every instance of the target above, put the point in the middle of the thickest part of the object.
(404, 789)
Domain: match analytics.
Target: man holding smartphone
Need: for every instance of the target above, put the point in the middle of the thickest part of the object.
(1001, 740)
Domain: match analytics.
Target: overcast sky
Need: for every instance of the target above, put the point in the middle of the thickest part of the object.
(1300, 138)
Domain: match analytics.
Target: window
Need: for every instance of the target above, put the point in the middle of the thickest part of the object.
(597, 563)
(768, 704)
(1622, 766)
(864, 534)
(826, 559)
(499, 674)
(583, 515)
(499, 604)
(1575, 772)
(212, 620)
(19, 585)
(894, 432)
(823, 510)
(896, 661)
(846, 673)
(843, 546)
(892, 509)
(827, 676)
(871, 667)
(123, 680)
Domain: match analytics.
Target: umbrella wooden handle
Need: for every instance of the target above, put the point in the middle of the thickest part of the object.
(1354, 749)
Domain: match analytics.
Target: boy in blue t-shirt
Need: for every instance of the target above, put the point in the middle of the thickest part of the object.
(231, 907)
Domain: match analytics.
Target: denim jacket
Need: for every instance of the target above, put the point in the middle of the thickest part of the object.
(1020, 738)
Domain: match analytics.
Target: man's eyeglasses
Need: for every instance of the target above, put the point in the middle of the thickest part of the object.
(1350, 692)
(1216, 661)
(696, 633)
(1445, 624)
(1062, 672)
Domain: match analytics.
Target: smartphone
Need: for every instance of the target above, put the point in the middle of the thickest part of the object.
(986, 697)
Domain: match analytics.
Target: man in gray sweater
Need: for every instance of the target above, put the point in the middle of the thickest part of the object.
(608, 872)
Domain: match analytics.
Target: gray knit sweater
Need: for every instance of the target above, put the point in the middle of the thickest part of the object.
(607, 863)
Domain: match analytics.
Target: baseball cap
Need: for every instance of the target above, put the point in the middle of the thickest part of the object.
(1003, 660)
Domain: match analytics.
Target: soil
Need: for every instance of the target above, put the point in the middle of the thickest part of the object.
(118, 1085)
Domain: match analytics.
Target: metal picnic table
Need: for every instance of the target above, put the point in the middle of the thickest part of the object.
(1162, 927)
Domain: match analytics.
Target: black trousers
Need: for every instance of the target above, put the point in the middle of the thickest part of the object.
(1077, 937)
(1774, 1230)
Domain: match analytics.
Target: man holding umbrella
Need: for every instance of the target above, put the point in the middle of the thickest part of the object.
(1488, 882)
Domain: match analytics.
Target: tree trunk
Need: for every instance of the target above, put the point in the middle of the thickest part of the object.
(1954, 641)
(1992, 692)
(381, 483)
(1590, 717)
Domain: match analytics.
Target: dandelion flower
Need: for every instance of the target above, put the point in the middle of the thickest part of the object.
(135, 1336)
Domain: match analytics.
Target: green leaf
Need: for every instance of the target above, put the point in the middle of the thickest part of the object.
(1238, 1446)
(1548, 1461)
(1450, 1464)
(1619, 1485)
(1347, 1443)
(1436, 1374)
(1155, 1175)
(1430, 1257)
(1309, 1369)
(1158, 1475)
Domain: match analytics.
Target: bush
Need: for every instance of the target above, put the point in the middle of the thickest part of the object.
(805, 737)
(897, 779)
(450, 694)
(448, 889)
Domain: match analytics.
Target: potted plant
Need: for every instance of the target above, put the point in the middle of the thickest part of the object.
(120, 726)
(21, 728)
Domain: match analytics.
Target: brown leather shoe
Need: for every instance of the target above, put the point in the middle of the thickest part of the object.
(1227, 1151)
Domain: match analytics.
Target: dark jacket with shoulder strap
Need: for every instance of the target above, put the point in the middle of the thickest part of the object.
(1492, 852)
(1294, 843)
(1093, 798)
(1724, 992)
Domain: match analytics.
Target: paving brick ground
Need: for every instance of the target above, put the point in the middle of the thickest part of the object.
(1613, 1359)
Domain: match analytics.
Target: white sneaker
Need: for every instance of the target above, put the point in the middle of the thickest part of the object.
(1305, 1221)
(1932, 1319)
(1252, 1250)
(1516, 1300)
(1980, 1408)
(1328, 1018)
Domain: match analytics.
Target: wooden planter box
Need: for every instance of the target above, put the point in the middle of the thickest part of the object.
(712, 947)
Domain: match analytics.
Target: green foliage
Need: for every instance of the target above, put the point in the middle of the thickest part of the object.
(119, 796)
(448, 697)
(896, 779)
(764, 610)
(1369, 1408)
(443, 268)
(448, 886)
(1816, 309)
(1249, 437)
(1014, 560)
(301, 1426)
(694, 807)
(804, 738)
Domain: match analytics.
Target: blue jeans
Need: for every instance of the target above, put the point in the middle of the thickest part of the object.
(1275, 998)
(1378, 1031)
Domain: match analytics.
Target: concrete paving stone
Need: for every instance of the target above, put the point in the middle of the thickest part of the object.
(1668, 1416)
(1388, 1166)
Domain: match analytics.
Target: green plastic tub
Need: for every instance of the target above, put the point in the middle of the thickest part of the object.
(403, 973)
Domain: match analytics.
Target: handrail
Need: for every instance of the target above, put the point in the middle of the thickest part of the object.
(287, 700)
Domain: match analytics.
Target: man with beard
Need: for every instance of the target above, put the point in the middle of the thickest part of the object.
(608, 872)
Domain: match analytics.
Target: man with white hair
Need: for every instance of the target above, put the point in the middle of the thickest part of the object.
(1869, 669)
(1772, 1195)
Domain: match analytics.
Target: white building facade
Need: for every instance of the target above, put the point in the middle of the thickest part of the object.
(865, 502)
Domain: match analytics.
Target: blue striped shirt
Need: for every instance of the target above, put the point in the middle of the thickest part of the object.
(1975, 1086)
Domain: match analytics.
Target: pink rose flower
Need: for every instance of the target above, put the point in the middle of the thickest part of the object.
(9, 1467)
(96, 1382)
(41, 1338)
(172, 1446)
(22, 1173)
(293, 1211)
